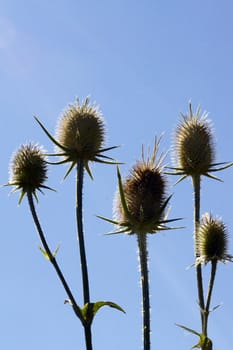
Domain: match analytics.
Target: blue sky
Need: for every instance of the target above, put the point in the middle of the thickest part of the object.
(141, 62)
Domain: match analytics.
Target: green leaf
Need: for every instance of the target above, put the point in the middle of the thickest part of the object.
(49, 135)
(108, 220)
(56, 251)
(107, 149)
(204, 342)
(88, 170)
(46, 255)
(228, 165)
(69, 170)
(188, 329)
(90, 309)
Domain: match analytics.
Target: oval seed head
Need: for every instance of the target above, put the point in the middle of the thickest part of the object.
(28, 170)
(212, 240)
(194, 147)
(144, 192)
(81, 132)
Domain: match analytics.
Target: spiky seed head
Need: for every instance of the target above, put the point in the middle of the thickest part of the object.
(212, 240)
(194, 146)
(144, 192)
(81, 131)
(28, 169)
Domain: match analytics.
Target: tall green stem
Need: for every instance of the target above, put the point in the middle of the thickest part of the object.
(209, 294)
(51, 257)
(82, 251)
(143, 260)
(197, 188)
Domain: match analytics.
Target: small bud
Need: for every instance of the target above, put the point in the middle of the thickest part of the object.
(28, 170)
(212, 240)
(194, 147)
(81, 132)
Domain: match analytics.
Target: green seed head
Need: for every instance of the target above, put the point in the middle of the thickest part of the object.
(28, 170)
(194, 147)
(81, 131)
(212, 240)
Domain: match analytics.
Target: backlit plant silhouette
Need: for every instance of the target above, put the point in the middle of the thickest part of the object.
(141, 209)
(140, 206)
(194, 154)
(80, 137)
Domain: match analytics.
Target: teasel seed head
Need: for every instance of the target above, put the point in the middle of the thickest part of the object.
(212, 240)
(80, 136)
(194, 147)
(144, 192)
(81, 131)
(28, 169)
(141, 202)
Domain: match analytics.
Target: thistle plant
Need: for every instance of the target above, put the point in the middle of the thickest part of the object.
(141, 204)
(140, 209)
(28, 174)
(212, 247)
(194, 153)
(80, 138)
(79, 141)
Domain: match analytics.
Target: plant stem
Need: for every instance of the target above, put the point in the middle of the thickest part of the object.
(143, 260)
(82, 252)
(197, 187)
(51, 257)
(209, 294)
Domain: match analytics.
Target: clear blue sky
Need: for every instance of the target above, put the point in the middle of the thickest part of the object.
(141, 61)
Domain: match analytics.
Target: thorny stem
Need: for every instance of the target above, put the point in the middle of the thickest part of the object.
(209, 294)
(80, 237)
(143, 260)
(196, 187)
(51, 257)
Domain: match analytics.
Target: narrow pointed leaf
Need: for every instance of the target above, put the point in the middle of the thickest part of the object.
(69, 170)
(89, 170)
(46, 255)
(180, 179)
(213, 177)
(48, 188)
(221, 163)
(107, 149)
(59, 162)
(55, 154)
(49, 135)
(216, 307)
(107, 162)
(223, 168)
(35, 195)
(122, 195)
(170, 220)
(174, 168)
(163, 207)
(117, 232)
(56, 251)
(176, 173)
(188, 329)
(21, 197)
(108, 220)
(103, 156)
